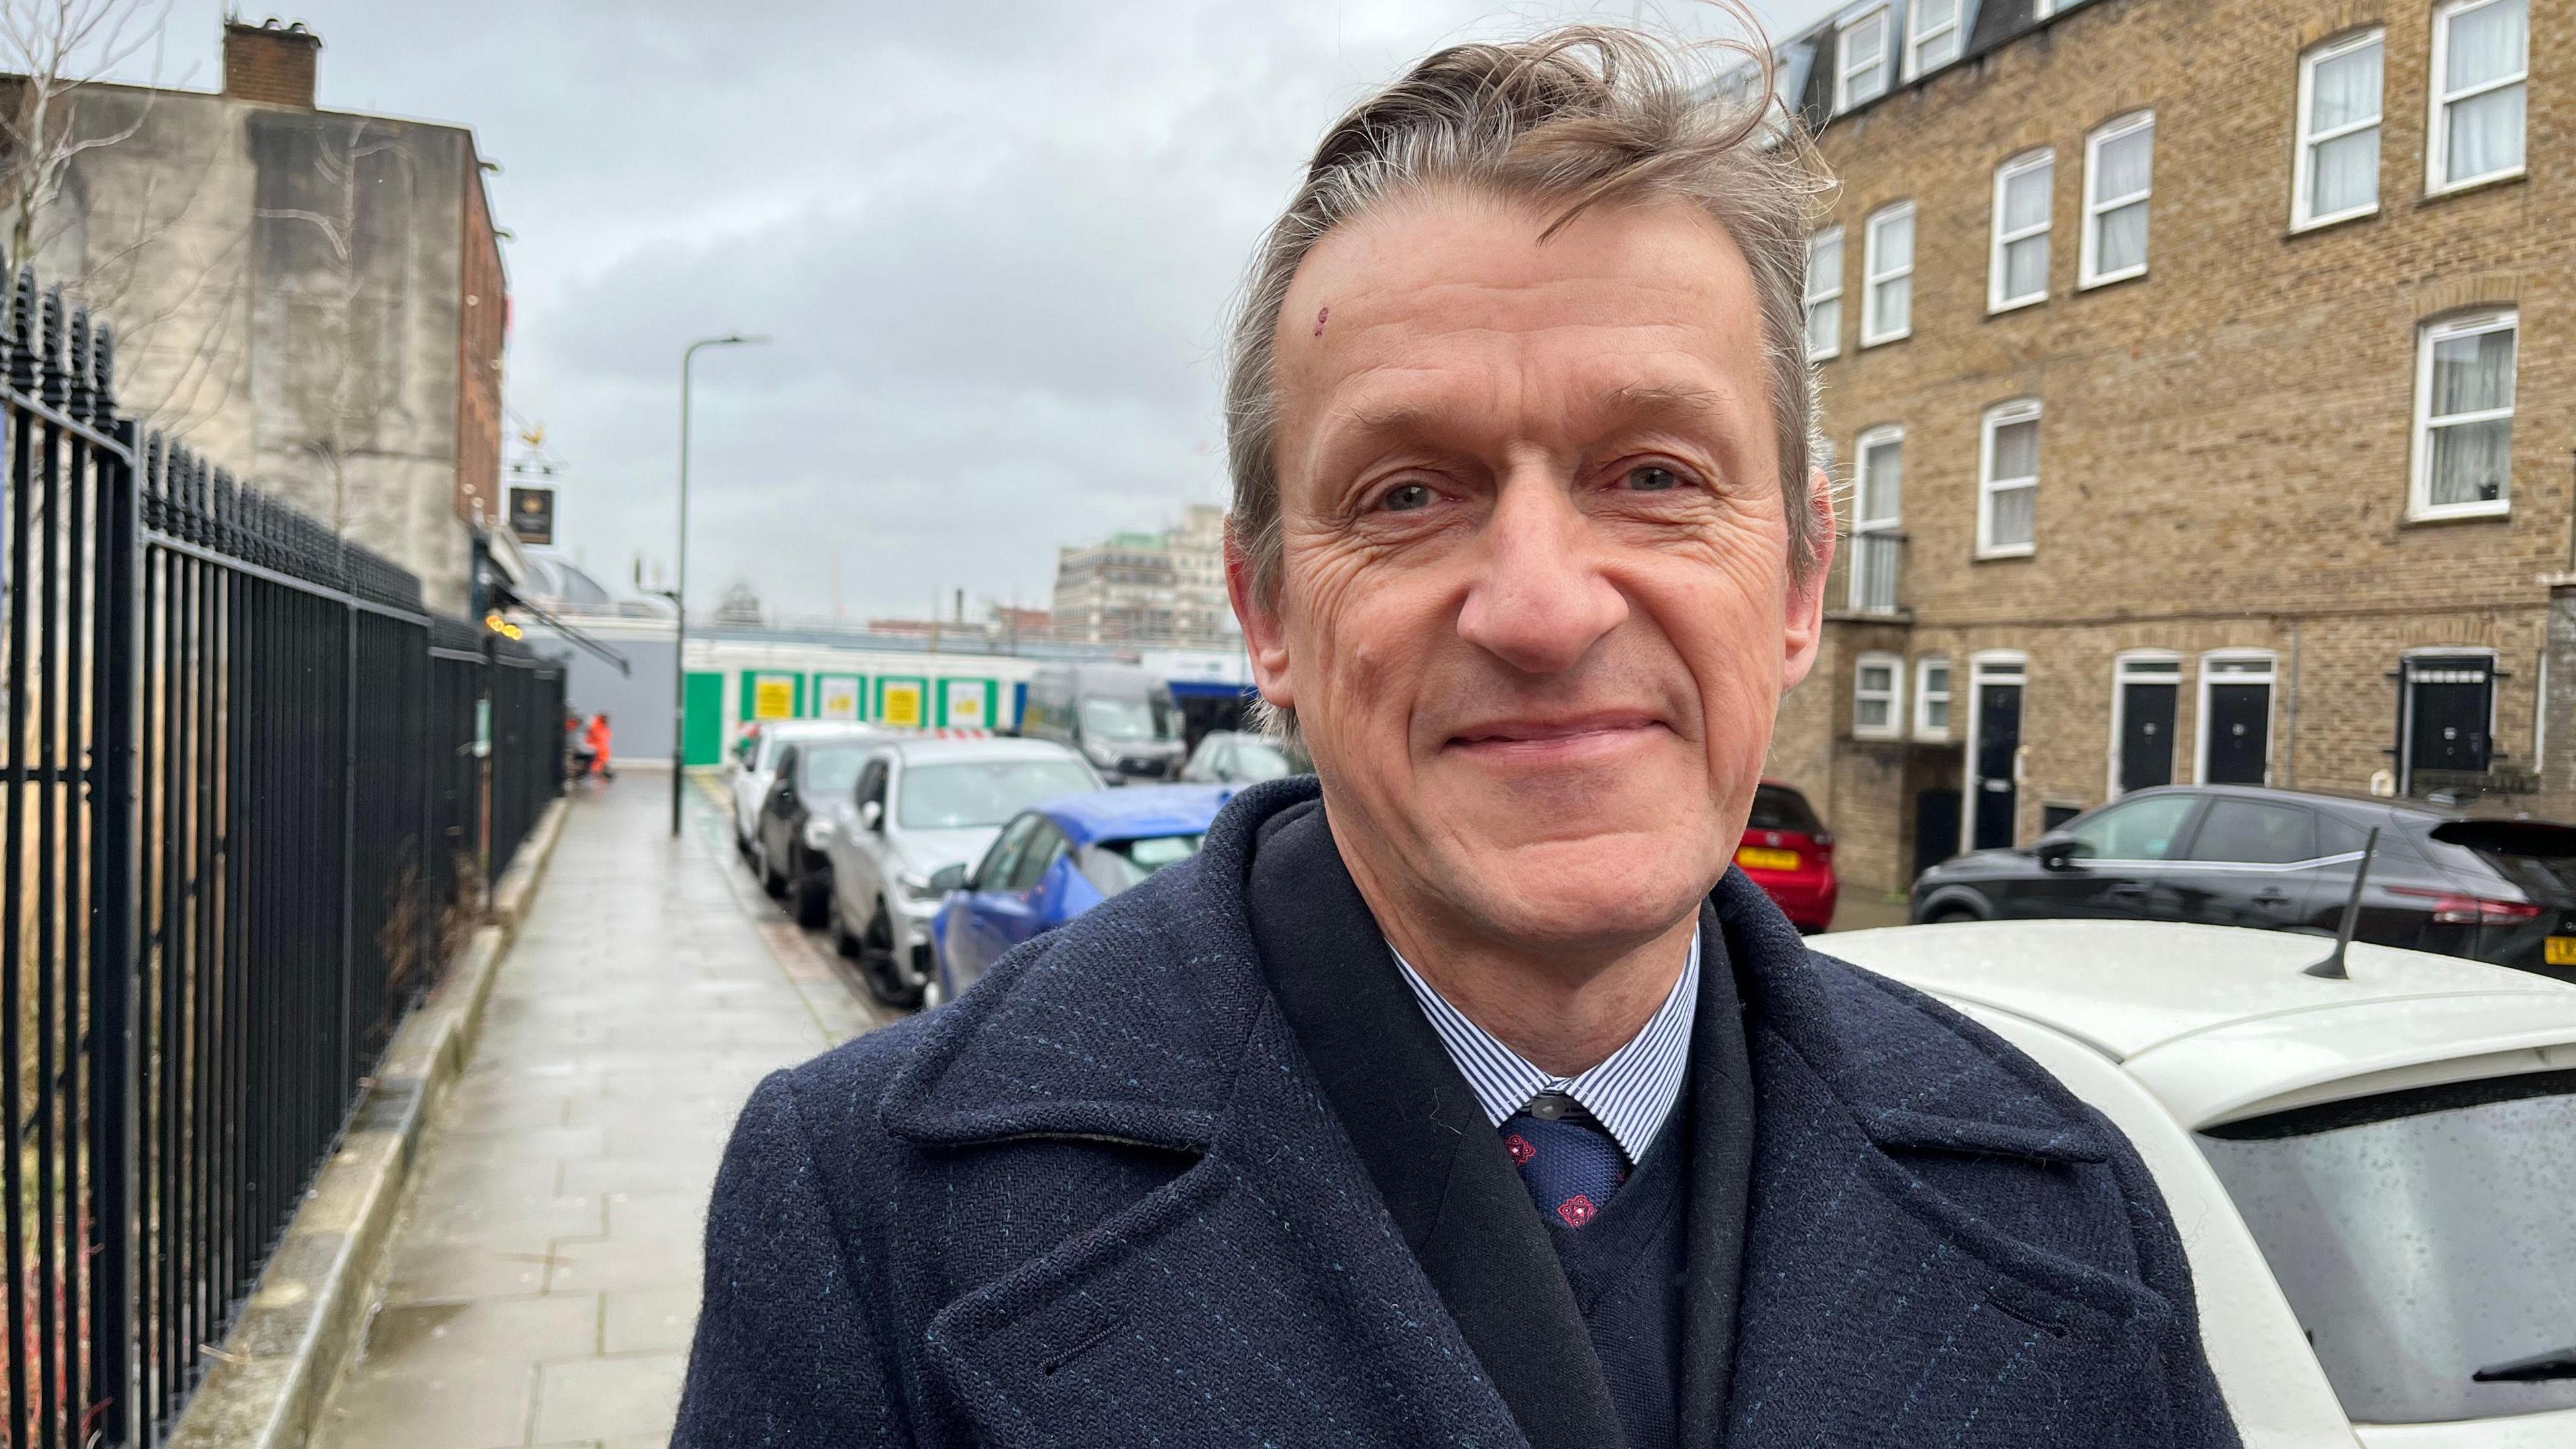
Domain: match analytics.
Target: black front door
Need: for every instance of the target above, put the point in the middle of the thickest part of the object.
(2240, 733)
(2449, 701)
(2146, 736)
(1936, 828)
(1998, 741)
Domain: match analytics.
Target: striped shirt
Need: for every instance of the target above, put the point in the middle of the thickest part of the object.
(1629, 1093)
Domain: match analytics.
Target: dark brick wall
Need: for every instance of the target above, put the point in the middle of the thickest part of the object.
(270, 64)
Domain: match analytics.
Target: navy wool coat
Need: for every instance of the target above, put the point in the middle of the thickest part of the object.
(1103, 1200)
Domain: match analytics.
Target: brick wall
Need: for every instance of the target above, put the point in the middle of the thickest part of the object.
(2226, 442)
(482, 333)
(271, 64)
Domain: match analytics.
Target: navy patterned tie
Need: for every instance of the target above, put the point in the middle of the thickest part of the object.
(1570, 1165)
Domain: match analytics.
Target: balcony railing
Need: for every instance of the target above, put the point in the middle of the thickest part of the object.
(1875, 560)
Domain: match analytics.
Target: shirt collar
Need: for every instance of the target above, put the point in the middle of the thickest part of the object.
(1630, 1092)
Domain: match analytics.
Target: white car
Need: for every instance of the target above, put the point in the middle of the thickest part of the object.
(2375, 1178)
(756, 769)
(923, 804)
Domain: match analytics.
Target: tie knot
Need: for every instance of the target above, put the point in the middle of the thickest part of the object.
(1570, 1165)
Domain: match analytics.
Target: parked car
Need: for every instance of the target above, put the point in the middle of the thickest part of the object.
(921, 805)
(2371, 1175)
(2489, 889)
(1788, 852)
(1234, 757)
(755, 766)
(1120, 717)
(811, 797)
(1057, 860)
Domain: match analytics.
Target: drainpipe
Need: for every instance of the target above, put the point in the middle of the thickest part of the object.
(2290, 709)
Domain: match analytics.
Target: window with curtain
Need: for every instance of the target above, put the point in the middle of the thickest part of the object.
(1874, 694)
(1932, 698)
(1878, 509)
(2481, 54)
(2008, 483)
(2464, 416)
(2119, 173)
(2339, 107)
(1862, 71)
(1935, 41)
(1825, 293)
(1887, 309)
(2019, 274)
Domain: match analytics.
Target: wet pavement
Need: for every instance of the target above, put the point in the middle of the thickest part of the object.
(543, 1280)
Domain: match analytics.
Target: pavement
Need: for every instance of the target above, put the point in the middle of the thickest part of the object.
(542, 1283)
(1866, 910)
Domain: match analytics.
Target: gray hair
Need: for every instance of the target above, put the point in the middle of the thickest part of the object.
(1576, 118)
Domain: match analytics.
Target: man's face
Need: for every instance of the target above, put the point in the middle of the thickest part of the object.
(1535, 612)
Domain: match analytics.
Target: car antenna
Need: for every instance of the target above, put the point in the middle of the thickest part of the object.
(2331, 968)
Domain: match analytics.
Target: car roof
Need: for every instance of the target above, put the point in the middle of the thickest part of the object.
(802, 729)
(2359, 805)
(2223, 1023)
(1135, 811)
(934, 751)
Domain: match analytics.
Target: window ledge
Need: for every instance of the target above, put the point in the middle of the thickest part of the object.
(1824, 356)
(2329, 223)
(2004, 551)
(1869, 341)
(1997, 309)
(2109, 279)
(1922, 737)
(2515, 177)
(1877, 737)
(2460, 513)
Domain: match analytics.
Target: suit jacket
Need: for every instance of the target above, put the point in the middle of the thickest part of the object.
(1106, 1198)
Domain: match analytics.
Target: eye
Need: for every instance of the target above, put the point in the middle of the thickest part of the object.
(1406, 498)
(1652, 478)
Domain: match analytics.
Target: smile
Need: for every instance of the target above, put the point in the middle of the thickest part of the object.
(1572, 737)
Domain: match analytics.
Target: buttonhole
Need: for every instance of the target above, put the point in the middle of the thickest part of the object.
(1089, 1342)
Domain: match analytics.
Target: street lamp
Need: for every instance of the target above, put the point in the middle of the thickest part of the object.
(680, 595)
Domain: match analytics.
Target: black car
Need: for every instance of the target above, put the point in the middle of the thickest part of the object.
(2490, 889)
(813, 788)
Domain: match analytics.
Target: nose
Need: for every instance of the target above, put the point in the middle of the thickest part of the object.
(1539, 601)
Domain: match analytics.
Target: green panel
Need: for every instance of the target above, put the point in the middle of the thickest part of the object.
(985, 686)
(702, 719)
(902, 699)
(823, 683)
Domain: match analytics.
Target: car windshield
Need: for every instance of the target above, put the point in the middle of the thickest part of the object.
(1258, 760)
(1776, 807)
(1122, 717)
(832, 770)
(2422, 1239)
(985, 792)
(1115, 865)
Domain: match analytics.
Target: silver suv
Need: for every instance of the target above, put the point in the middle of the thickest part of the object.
(920, 805)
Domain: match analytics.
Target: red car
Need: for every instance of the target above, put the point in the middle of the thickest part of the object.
(1788, 852)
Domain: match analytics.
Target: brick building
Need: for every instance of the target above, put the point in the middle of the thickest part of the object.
(2199, 375)
(1156, 588)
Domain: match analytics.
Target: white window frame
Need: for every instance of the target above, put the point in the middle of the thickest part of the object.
(1844, 70)
(2418, 490)
(1894, 664)
(2160, 666)
(2003, 415)
(1872, 278)
(1834, 294)
(1924, 693)
(2222, 666)
(1920, 34)
(2437, 138)
(2097, 206)
(2302, 163)
(1996, 301)
(1863, 526)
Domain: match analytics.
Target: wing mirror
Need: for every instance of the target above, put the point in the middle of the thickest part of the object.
(871, 815)
(2057, 850)
(947, 878)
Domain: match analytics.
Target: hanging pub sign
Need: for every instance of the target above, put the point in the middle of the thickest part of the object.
(532, 515)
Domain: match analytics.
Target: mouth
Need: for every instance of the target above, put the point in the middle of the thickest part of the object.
(1558, 737)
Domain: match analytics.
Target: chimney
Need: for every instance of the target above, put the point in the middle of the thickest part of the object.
(271, 64)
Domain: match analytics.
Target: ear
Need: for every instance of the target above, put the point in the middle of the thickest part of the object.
(1264, 638)
(1805, 614)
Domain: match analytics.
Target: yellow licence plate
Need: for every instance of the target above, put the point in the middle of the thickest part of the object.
(1755, 857)
(2560, 951)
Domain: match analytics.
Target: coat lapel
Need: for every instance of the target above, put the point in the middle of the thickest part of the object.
(1882, 1304)
(1449, 1188)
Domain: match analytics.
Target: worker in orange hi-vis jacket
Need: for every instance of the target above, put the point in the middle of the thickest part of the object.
(598, 741)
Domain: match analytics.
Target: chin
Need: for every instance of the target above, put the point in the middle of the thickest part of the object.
(1578, 893)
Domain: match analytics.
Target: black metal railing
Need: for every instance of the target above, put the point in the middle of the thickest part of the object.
(249, 801)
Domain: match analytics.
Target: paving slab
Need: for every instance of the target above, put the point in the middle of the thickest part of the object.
(543, 1280)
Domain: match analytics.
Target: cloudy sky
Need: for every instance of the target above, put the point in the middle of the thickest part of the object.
(993, 242)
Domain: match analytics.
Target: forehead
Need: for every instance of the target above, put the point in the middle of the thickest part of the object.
(1454, 300)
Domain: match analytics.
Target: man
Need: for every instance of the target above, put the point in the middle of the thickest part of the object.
(1464, 1095)
(600, 740)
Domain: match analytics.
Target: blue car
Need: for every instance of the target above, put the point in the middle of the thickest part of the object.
(1056, 860)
